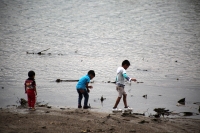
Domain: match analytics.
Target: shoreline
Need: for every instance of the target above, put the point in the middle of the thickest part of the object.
(81, 120)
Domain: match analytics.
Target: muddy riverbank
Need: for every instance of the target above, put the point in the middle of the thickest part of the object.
(79, 120)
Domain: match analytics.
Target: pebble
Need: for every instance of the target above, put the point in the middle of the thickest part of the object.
(133, 130)
(126, 119)
(100, 130)
(44, 127)
(108, 116)
(143, 121)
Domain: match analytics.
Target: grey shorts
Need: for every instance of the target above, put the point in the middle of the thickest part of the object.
(120, 90)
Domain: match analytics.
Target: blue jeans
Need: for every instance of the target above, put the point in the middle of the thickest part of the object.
(81, 93)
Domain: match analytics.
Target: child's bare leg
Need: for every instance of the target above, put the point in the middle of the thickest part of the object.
(117, 102)
(124, 99)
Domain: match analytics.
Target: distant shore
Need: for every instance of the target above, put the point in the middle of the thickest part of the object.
(53, 120)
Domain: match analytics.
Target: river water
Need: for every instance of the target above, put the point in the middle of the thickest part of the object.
(160, 38)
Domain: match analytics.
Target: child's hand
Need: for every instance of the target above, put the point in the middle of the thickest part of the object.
(90, 87)
(133, 80)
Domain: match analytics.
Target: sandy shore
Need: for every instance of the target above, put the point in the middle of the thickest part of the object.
(52, 120)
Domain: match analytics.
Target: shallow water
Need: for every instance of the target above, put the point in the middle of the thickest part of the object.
(99, 35)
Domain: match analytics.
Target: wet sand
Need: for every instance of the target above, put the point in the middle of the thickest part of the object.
(79, 120)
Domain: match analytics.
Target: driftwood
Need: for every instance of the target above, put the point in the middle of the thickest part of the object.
(110, 82)
(39, 53)
(70, 80)
(60, 80)
(139, 114)
(140, 82)
(43, 51)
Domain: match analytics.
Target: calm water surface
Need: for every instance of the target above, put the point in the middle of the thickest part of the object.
(162, 37)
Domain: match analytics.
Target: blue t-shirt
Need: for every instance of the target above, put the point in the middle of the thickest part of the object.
(82, 82)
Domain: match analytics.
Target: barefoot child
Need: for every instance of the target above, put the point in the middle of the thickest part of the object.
(83, 88)
(30, 90)
(121, 75)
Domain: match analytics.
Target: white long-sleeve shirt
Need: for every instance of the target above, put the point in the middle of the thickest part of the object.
(121, 75)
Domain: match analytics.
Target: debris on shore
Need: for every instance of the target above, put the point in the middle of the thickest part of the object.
(181, 101)
(23, 102)
(161, 111)
(145, 96)
(188, 114)
(60, 80)
(70, 80)
(102, 99)
(142, 70)
(43, 105)
(40, 53)
(114, 82)
(140, 82)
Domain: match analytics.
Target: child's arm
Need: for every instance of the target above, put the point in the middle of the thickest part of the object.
(35, 91)
(132, 79)
(129, 79)
(87, 86)
(25, 88)
(34, 84)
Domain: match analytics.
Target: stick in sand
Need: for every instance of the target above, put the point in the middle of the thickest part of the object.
(43, 51)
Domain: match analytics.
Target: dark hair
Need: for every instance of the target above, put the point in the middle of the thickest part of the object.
(31, 74)
(126, 62)
(91, 72)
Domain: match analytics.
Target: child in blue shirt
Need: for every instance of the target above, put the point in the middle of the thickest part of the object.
(83, 88)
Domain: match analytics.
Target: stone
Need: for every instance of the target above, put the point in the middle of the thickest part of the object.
(182, 101)
(44, 127)
(133, 130)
